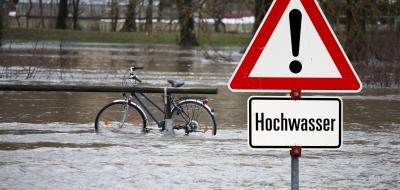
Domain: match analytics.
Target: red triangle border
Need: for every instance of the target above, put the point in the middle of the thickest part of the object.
(241, 82)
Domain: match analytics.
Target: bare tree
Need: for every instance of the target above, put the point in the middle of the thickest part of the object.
(217, 12)
(365, 27)
(333, 11)
(62, 14)
(114, 15)
(14, 4)
(161, 6)
(75, 14)
(260, 9)
(130, 21)
(41, 14)
(356, 14)
(28, 13)
(149, 17)
(1, 22)
(186, 22)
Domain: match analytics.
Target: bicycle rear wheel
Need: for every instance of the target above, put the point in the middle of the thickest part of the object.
(120, 117)
(192, 116)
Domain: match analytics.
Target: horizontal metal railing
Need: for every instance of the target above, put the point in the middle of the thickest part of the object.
(86, 88)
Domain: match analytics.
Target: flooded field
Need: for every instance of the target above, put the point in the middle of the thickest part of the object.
(47, 139)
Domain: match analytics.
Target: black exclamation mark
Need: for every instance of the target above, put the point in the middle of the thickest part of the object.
(295, 28)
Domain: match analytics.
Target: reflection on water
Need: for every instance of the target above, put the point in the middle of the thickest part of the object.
(100, 64)
(46, 138)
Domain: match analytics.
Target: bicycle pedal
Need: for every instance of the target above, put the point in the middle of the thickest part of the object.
(178, 127)
(146, 131)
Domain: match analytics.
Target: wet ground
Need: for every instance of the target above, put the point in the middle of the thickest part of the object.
(47, 139)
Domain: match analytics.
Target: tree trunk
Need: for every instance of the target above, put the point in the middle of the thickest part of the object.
(260, 9)
(114, 15)
(160, 10)
(130, 21)
(218, 14)
(28, 13)
(62, 14)
(14, 5)
(75, 14)
(355, 29)
(186, 22)
(149, 17)
(1, 23)
(219, 26)
(41, 13)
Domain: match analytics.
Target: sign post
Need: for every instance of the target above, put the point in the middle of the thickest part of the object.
(295, 51)
(295, 153)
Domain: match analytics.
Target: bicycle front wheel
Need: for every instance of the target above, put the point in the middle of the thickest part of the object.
(120, 117)
(192, 116)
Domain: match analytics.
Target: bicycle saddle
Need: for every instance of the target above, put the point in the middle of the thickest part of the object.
(176, 83)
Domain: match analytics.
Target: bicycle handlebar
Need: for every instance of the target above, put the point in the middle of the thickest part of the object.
(132, 74)
(132, 69)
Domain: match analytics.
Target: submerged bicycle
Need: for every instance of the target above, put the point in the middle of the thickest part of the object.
(188, 114)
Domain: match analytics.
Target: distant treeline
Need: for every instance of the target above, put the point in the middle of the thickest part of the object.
(367, 28)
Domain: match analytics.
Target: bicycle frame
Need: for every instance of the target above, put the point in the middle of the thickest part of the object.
(146, 108)
(160, 124)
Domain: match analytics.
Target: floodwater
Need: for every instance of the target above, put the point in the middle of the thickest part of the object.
(47, 139)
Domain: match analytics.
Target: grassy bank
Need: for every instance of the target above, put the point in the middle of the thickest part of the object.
(217, 39)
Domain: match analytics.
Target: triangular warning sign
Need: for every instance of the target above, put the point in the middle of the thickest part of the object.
(295, 49)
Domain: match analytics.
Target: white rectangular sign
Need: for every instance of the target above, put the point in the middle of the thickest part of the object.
(280, 122)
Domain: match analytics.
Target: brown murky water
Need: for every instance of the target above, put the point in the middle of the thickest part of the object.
(47, 136)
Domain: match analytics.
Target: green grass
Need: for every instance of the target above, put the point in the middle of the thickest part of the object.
(218, 39)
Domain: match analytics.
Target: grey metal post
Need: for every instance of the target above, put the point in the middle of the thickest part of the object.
(295, 173)
(295, 153)
(101, 88)
(169, 130)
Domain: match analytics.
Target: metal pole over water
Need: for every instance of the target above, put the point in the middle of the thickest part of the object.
(97, 88)
(295, 153)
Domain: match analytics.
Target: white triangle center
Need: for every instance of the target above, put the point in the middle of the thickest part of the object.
(277, 55)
